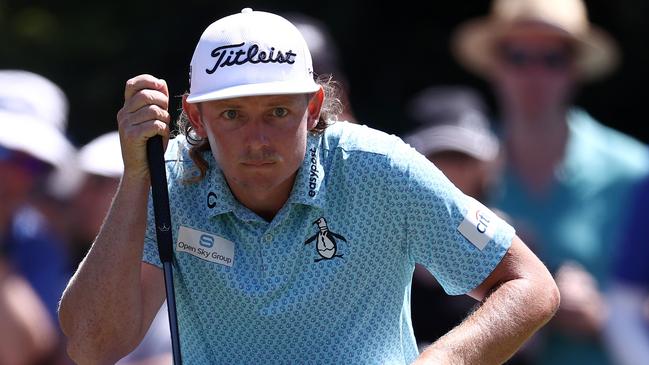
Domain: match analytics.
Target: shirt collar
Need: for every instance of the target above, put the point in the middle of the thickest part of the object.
(216, 194)
(309, 187)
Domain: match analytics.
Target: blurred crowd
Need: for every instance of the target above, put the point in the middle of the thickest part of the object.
(573, 187)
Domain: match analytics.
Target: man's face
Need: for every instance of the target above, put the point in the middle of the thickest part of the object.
(18, 174)
(535, 73)
(91, 203)
(258, 141)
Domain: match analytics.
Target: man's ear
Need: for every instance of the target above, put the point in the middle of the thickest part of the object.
(194, 115)
(314, 108)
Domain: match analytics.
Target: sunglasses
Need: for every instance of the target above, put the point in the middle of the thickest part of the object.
(552, 60)
(34, 166)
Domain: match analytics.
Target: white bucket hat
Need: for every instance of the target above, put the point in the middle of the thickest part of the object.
(247, 54)
(33, 115)
(24, 92)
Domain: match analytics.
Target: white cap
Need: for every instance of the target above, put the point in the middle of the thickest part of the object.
(454, 119)
(250, 53)
(102, 156)
(473, 141)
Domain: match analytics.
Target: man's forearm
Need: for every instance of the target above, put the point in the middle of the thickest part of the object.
(493, 333)
(102, 304)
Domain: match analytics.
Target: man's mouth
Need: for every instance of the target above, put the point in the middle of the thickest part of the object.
(258, 163)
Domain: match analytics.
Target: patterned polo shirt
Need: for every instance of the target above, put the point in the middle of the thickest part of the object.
(328, 279)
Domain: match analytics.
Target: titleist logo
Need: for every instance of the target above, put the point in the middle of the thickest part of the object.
(226, 56)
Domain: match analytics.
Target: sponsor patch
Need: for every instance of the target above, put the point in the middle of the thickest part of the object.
(205, 246)
(479, 225)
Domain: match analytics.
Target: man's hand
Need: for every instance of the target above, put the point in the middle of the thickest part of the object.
(144, 115)
(583, 309)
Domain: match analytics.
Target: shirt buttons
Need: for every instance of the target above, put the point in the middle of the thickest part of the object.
(268, 237)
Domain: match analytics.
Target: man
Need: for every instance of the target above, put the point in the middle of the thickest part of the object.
(33, 260)
(567, 176)
(296, 237)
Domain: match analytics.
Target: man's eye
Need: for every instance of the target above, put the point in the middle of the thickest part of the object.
(280, 112)
(230, 114)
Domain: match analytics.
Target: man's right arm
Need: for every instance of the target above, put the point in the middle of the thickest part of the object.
(113, 297)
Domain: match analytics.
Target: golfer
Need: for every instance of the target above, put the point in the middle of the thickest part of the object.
(295, 237)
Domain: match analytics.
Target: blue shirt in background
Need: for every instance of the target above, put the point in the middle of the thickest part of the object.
(40, 256)
(580, 217)
(632, 258)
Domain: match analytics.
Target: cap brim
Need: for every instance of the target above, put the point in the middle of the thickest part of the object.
(36, 138)
(473, 46)
(481, 146)
(269, 88)
(102, 156)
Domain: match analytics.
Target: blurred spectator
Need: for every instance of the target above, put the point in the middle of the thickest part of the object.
(32, 115)
(326, 56)
(35, 145)
(567, 177)
(102, 165)
(454, 134)
(628, 325)
(27, 335)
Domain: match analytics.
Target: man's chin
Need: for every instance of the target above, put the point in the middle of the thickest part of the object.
(257, 183)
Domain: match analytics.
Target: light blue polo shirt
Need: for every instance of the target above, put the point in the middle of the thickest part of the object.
(328, 280)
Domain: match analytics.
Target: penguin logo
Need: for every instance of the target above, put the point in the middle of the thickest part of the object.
(211, 203)
(164, 228)
(325, 241)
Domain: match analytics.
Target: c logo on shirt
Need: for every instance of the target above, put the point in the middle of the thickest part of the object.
(211, 203)
(483, 221)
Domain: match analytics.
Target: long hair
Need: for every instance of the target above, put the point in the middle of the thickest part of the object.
(331, 109)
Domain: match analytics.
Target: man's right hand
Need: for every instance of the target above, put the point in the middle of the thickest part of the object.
(144, 115)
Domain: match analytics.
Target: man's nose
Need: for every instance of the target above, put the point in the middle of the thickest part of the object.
(257, 133)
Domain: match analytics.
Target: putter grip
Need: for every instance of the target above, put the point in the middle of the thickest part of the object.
(155, 157)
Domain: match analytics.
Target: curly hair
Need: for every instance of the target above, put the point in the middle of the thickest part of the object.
(331, 108)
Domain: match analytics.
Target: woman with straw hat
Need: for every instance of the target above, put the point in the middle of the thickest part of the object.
(567, 176)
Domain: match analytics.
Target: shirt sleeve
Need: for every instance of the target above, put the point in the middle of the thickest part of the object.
(454, 236)
(150, 254)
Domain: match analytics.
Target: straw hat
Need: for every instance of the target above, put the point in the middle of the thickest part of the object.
(474, 41)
